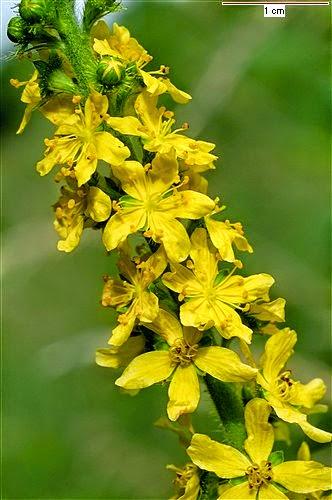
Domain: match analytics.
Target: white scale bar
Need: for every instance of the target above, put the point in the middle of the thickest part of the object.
(300, 4)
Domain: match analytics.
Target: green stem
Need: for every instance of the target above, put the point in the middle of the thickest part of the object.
(76, 46)
(229, 405)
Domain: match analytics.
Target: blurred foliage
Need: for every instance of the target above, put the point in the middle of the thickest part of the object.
(260, 91)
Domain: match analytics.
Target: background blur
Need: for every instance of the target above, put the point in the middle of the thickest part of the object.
(260, 92)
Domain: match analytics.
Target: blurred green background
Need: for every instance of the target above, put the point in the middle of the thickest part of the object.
(260, 92)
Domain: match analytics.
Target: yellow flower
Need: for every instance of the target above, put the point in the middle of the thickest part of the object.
(211, 300)
(78, 208)
(226, 234)
(79, 140)
(186, 482)
(118, 43)
(290, 400)
(30, 96)
(153, 205)
(260, 476)
(180, 362)
(134, 293)
(118, 357)
(154, 126)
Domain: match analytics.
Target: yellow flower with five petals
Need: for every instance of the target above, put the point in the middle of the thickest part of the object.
(289, 399)
(118, 43)
(154, 204)
(154, 126)
(260, 477)
(79, 141)
(209, 299)
(133, 293)
(180, 362)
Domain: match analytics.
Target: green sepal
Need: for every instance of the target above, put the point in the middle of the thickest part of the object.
(96, 9)
(237, 480)
(276, 457)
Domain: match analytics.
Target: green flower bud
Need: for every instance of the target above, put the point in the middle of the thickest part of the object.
(110, 70)
(59, 81)
(16, 30)
(33, 10)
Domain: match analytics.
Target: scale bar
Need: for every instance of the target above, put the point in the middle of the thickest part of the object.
(294, 3)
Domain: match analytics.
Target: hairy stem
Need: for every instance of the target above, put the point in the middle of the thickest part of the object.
(76, 46)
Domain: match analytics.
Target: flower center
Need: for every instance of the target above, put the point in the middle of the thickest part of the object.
(182, 353)
(258, 475)
(285, 384)
(183, 476)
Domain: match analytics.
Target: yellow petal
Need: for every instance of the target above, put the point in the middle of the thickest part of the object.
(223, 364)
(269, 311)
(192, 488)
(303, 453)
(167, 326)
(122, 332)
(114, 357)
(121, 225)
(86, 164)
(145, 370)
(278, 349)
(270, 492)
(162, 174)
(172, 234)
(95, 108)
(181, 278)
(110, 149)
(307, 395)
(257, 286)
(148, 112)
(146, 306)
(224, 235)
(73, 235)
(183, 392)
(177, 95)
(314, 433)
(132, 176)
(58, 109)
(260, 433)
(204, 257)
(154, 86)
(223, 460)
(239, 492)
(194, 205)
(99, 204)
(156, 265)
(303, 477)
(127, 125)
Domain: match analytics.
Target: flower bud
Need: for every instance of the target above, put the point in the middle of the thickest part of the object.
(33, 10)
(110, 70)
(16, 29)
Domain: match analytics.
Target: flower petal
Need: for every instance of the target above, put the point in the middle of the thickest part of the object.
(167, 326)
(194, 205)
(145, 370)
(181, 277)
(132, 176)
(278, 349)
(162, 174)
(223, 364)
(204, 257)
(127, 125)
(122, 332)
(303, 477)
(270, 492)
(172, 234)
(307, 395)
(259, 442)
(121, 225)
(115, 357)
(99, 204)
(86, 164)
(223, 460)
(269, 311)
(257, 286)
(183, 392)
(110, 149)
(239, 492)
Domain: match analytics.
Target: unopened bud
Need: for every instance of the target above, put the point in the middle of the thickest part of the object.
(110, 70)
(33, 10)
(16, 29)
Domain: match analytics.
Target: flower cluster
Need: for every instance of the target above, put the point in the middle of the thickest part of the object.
(186, 312)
